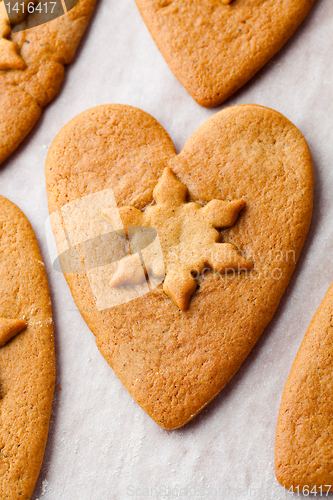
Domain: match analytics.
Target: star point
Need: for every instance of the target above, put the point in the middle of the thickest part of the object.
(169, 189)
(9, 328)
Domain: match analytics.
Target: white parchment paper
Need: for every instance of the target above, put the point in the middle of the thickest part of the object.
(101, 445)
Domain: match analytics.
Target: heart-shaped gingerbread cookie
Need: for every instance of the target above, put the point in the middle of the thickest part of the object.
(215, 231)
(27, 362)
(304, 447)
(32, 62)
(213, 48)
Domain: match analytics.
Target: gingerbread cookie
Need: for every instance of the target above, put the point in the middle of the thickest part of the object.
(178, 262)
(214, 48)
(27, 363)
(304, 445)
(32, 66)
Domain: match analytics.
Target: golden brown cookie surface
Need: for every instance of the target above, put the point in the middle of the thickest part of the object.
(304, 446)
(213, 48)
(32, 69)
(175, 362)
(27, 363)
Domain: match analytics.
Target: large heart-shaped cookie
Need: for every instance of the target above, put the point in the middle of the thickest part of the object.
(304, 444)
(32, 65)
(214, 49)
(173, 347)
(27, 362)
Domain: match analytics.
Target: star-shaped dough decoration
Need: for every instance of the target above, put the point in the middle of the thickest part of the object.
(9, 328)
(188, 236)
(9, 57)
